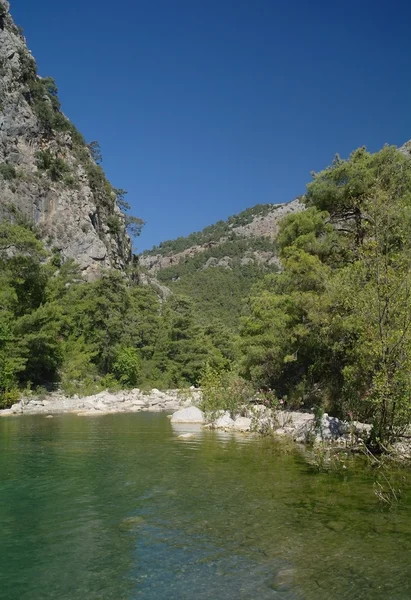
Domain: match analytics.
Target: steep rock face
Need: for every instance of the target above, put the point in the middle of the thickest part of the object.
(47, 172)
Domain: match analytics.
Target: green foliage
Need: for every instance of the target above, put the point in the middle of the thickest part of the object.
(56, 329)
(28, 68)
(332, 329)
(3, 65)
(7, 171)
(54, 165)
(219, 292)
(79, 373)
(21, 293)
(115, 224)
(42, 94)
(95, 176)
(120, 197)
(223, 390)
(70, 181)
(126, 367)
(95, 151)
(134, 225)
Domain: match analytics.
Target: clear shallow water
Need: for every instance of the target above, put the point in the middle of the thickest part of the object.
(117, 508)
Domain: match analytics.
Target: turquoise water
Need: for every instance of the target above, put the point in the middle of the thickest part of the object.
(117, 507)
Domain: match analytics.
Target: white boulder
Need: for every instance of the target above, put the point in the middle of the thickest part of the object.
(224, 421)
(188, 415)
(242, 424)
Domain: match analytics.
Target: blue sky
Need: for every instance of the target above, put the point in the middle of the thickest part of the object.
(206, 107)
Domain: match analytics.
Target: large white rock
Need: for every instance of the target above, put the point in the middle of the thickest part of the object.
(242, 424)
(138, 402)
(224, 421)
(188, 415)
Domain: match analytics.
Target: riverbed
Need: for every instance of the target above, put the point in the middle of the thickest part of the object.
(120, 507)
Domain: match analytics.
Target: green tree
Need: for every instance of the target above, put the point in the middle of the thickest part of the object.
(126, 366)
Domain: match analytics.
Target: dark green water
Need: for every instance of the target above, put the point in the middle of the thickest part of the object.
(117, 507)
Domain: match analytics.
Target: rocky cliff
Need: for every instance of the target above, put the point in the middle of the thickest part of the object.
(48, 174)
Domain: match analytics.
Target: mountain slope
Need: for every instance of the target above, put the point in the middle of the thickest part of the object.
(47, 171)
(217, 266)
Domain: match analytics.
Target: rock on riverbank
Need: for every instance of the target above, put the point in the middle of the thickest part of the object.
(128, 401)
(300, 426)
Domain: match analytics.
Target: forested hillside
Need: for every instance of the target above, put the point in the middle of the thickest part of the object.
(217, 266)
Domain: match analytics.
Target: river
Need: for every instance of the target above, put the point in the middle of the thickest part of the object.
(118, 508)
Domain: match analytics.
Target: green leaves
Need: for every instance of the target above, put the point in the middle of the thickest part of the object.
(335, 325)
(126, 367)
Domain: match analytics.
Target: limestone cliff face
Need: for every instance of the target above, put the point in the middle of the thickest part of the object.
(47, 171)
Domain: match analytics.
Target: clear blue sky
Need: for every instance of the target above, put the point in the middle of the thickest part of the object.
(206, 107)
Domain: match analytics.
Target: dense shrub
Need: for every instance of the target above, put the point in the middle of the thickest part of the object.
(223, 390)
(54, 165)
(126, 366)
(7, 171)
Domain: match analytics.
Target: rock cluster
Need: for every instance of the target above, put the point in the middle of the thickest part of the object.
(302, 427)
(101, 404)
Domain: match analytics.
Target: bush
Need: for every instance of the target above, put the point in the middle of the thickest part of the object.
(54, 165)
(114, 224)
(127, 366)
(223, 390)
(70, 181)
(57, 169)
(9, 397)
(95, 176)
(7, 171)
(28, 68)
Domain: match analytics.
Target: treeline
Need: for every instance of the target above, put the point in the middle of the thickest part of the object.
(58, 330)
(332, 330)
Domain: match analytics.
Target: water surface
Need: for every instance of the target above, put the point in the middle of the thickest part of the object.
(118, 508)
